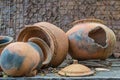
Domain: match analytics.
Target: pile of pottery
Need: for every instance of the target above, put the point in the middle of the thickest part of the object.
(43, 45)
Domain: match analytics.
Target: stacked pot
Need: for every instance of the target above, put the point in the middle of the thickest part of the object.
(44, 45)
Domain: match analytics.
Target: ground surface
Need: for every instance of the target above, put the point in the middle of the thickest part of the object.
(112, 72)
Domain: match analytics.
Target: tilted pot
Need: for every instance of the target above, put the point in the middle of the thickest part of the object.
(4, 41)
(90, 39)
(55, 38)
(25, 58)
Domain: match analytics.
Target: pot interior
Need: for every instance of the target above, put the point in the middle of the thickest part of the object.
(5, 40)
(98, 34)
(30, 32)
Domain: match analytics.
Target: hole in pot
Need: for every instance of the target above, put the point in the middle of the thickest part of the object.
(98, 35)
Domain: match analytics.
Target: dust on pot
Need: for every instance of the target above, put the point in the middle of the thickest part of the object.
(90, 39)
(55, 38)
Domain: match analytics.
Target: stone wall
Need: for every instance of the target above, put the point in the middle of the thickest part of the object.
(14, 14)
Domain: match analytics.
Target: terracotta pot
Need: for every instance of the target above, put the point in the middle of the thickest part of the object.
(24, 59)
(55, 38)
(4, 41)
(90, 39)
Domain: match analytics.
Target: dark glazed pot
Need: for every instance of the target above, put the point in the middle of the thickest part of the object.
(90, 39)
(55, 38)
(25, 58)
(4, 41)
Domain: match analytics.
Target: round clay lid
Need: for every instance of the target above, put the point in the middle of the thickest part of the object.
(76, 70)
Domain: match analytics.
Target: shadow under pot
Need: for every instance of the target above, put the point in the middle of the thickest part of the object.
(25, 58)
(55, 38)
(90, 39)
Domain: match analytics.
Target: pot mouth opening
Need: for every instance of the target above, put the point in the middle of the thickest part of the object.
(34, 31)
(5, 40)
(98, 34)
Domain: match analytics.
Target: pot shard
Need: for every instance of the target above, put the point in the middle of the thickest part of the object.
(90, 39)
(23, 58)
(55, 38)
(4, 41)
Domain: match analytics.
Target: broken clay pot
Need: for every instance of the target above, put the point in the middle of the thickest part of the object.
(25, 58)
(76, 69)
(55, 38)
(90, 39)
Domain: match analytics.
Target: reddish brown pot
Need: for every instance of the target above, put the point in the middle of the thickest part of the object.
(55, 38)
(90, 39)
(17, 60)
(25, 58)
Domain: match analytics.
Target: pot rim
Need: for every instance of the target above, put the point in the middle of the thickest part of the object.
(23, 32)
(87, 20)
(10, 39)
(67, 71)
(46, 50)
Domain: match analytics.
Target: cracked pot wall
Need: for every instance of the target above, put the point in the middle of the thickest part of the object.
(14, 14)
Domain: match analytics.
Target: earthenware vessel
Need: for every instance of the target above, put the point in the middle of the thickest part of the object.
(55, 38)
(76, 69)
(4, 41)
(25, 58)
(90, 39)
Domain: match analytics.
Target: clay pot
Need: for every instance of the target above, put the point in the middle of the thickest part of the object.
(90, 39)
(4, 41)
(76, 69)
(24, 58)
(55, 38)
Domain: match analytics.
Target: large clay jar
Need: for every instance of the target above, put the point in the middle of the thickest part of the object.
(90, 39)
(55, 38)
(23, 58)
(4, 41)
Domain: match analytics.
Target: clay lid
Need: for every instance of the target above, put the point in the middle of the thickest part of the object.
(75, 70)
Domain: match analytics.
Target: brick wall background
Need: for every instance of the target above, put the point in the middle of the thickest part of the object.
(14, 14)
